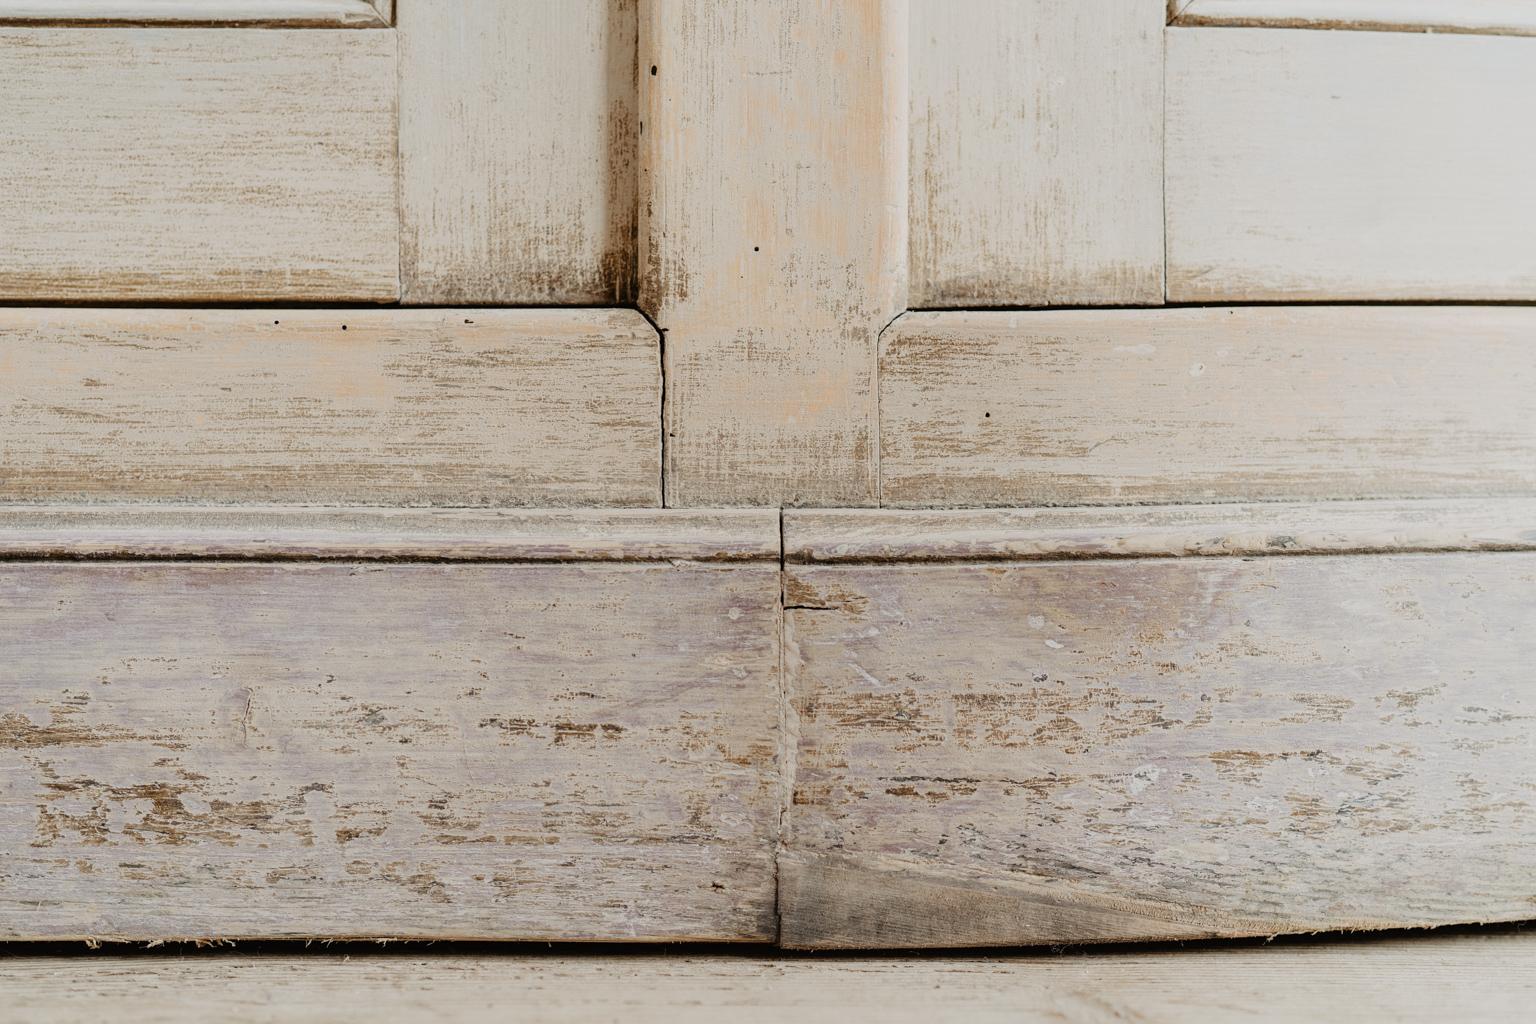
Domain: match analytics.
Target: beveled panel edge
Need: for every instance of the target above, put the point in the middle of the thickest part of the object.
(199, 13)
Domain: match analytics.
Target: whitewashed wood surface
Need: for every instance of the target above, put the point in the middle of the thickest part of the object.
(517, 147)
(349, 406)
(229, 164)
(1036, 153)
(1498, 17)
(773, 239)
(1157, 748)
(1305, 165)
(1474, 978)
(439, 751)
(1195, 405)
(318, 13)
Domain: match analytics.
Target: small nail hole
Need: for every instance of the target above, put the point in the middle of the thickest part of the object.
(653, 70)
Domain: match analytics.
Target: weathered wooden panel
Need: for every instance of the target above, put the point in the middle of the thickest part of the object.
(412, 407)
(444, 751)
(208, 165)
(773, 239)
(1485, 978)
(1037, 152)
(1348, 165)
(1497, 17)
(517, 150)
(1085, 407)
(319, 13)
(1158, 748)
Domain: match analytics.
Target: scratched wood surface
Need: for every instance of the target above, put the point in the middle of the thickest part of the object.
(772, 239)
(517, 147)
(1193, 405)
(219, 164)
(317, 13)
(1037, 153)
(1308, 165)
(543, 751)
(1042, 752)
(1498, 17)
(1422, 980)
(356, 406)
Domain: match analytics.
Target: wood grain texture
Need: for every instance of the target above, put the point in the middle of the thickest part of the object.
(388, 534)
(1496, 17)
(1158, 748)
(310, 406)
(1348, 165)
(433, 751)
(1018, 534)
(1196, 405)
(1489, 977)
(772, 239)
(210, 165)
(317, 13)
(1037, 153)
(517, 147)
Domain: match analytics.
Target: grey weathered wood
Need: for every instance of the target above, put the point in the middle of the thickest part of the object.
(1496, 17)
(1333, 527)
(1194, 405)
(370, 406)
(773, 239)
(1307, 165)
(433, 751)
(1045, 752)
(1037, 152)
(1489, 977)
(219, 164)
(517, 145)
(318, 13)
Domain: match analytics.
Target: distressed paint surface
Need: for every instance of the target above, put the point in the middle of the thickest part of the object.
(1195, 405)
(317, 13)
(1037, 153)
(499, 751)
(1496, 17)
(1309, 165)
(356, 406)
(517, 145)
(1158, 748)
(1488, 977)
(198, 165)
(772, 239)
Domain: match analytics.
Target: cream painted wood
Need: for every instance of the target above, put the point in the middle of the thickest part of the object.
(330, 406)
(773, 238)
(517, 147)
(1498, 17)
(1309, 165)
(223, 165)
(319, 13)
(548, 751)
(1194, 405)
(1047, 752)
(1037, 153)
(1475, 978)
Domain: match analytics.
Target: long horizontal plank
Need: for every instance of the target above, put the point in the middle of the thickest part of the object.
(1339, 527)
(371, 406)
(1496, 17)
(1423, 980)
(317, 13)
(1348, 166)
(1056, 752)
(220, 164)
(1198, 405)
(1036, 153)
(385, 534)
(430, 751)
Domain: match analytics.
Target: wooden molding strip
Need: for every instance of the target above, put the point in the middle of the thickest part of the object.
(387, 534)
(1312, 528)
(1482, 17)
(266, 13)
